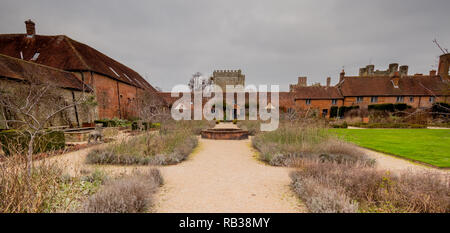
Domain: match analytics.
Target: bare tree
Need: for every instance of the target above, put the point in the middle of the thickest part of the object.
(151, 107)
(198, 82)
(35, 104)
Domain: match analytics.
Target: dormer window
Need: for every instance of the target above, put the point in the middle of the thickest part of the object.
(395, 83)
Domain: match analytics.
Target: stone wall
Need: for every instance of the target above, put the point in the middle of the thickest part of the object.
(73, 116)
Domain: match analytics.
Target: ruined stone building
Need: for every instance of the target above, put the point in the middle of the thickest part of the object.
(115, 85)
(393, 85)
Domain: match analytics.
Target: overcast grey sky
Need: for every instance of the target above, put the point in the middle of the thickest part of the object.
(272, 42)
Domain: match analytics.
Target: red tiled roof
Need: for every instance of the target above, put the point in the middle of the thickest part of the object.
(436, 85)
(383, 86)
(18, 69)
(317, 92)
(64, 53)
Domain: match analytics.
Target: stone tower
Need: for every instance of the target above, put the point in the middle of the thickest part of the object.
(222, 78)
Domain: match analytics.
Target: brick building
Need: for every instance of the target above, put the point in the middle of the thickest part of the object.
(116, 86)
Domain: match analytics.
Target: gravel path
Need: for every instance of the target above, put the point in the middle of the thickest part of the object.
(225, 176)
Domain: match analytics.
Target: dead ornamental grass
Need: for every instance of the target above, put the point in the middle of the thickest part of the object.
(358, 188)
(291, 142)
(18, 194)
(130, 194)
(47, 191)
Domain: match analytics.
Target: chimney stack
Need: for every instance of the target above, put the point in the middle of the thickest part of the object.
(370, 70)
(432, 73)
(30, 26)
(404, 70)
(393, 67)
(328, 81)
(342, 75)
(444, 66)
(302, 82)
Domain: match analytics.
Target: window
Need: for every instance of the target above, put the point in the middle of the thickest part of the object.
(399, 99)
(334, 101)
(411, 99)
(324, 113)
(359, 99)
(374, 99)
(432, 99)
(308, 102)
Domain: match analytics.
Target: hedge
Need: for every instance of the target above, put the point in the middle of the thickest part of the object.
(112, 122)
(340, 126)
(388, 125)
(343, 109)
(147, 125)
(334, 112)
(389, 107)
(51, 140)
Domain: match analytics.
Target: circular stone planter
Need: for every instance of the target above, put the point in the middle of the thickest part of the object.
(225, 134)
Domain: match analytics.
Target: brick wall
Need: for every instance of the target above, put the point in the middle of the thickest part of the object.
(318, 105)
(109, 92)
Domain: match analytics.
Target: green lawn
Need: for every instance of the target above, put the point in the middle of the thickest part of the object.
(430, 146)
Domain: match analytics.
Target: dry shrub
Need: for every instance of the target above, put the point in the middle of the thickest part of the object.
(253, 127)
(338, 151)
(321, 199)
(290, 142)
(48, 190)
(374, 190)
(22, 194)
(130, 194)
(194, 126)
(152, 148)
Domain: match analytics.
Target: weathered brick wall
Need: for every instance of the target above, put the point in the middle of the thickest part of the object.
(127, 100)
(107, 96)
(109, 92)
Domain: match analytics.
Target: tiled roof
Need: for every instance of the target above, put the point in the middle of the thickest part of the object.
(64, 53)
(18, 69)
(317, 92)
(384, 86)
